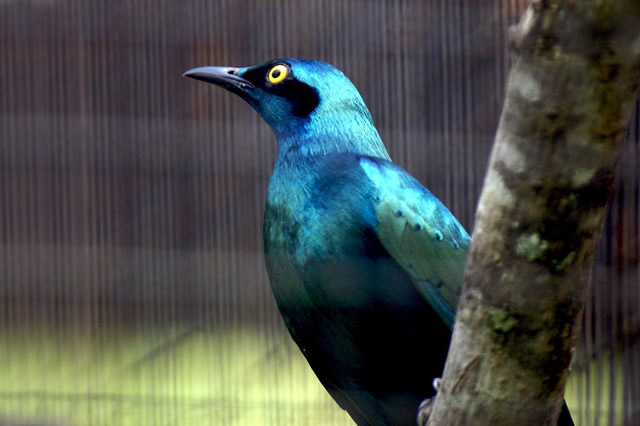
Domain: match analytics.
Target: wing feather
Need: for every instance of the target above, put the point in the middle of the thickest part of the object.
(421, 234)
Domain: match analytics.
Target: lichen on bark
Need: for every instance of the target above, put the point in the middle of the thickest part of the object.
(569, 100)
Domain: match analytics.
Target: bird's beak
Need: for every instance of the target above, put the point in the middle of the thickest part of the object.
(226, 77)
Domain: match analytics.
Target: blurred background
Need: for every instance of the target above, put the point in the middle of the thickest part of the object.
(132, 285)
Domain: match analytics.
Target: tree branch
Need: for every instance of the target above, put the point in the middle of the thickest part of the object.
(569, 100)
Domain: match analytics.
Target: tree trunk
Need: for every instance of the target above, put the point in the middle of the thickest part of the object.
(569, 99)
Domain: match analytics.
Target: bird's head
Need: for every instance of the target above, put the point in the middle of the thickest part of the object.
(308, 104)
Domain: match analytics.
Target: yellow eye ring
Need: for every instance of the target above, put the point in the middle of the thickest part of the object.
(277, 74)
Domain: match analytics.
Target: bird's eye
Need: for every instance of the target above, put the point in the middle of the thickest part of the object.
(277, 74)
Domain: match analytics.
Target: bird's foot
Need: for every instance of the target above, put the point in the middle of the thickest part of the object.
(437, 382)
(424, 411)
(426, 406)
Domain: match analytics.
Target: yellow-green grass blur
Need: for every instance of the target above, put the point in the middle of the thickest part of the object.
(183, 376)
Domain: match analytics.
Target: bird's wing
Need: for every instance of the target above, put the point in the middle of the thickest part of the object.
(420, 233)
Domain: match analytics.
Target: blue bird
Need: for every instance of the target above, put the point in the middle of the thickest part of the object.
(365, 264)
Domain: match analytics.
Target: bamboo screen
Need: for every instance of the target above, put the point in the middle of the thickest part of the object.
(132, 285)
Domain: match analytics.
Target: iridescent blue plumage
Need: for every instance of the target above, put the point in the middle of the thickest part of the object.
(365, 263)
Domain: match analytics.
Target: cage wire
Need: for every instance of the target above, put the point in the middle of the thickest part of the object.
(132, 284)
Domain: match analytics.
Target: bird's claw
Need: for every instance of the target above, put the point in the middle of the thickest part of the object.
(426, 406)
(437, 382)
(424, 411)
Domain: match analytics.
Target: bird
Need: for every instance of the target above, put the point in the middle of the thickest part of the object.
(365, 263)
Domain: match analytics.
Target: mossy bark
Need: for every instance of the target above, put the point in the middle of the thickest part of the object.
(569, 99)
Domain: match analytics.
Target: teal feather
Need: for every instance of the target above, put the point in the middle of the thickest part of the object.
(365, 264)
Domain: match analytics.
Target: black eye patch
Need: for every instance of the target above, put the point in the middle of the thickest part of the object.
(258, 75)
(302, 97)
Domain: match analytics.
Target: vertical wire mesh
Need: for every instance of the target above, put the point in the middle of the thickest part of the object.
(132, 285)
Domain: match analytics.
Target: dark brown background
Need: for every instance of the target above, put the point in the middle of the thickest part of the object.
(130, 194)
